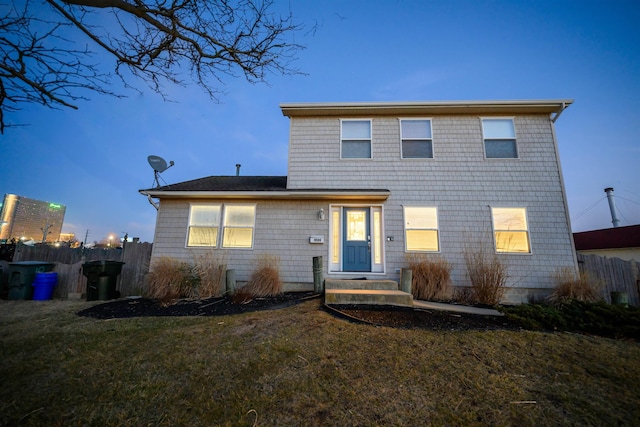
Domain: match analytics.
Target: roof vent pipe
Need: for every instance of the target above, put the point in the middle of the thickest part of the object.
(238, 169)
(612, 207)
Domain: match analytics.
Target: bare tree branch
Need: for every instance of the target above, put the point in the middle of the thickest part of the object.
(156, 41)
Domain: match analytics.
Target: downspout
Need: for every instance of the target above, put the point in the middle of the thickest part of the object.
(564, 107)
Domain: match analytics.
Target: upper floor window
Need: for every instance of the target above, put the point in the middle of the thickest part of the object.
(239, 222)
(499, 138)
(355, 138)
(511, 230)
(416, 139)
(421, 229)
(204, 221)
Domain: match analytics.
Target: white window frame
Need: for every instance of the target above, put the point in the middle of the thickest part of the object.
(403, 138)
(216, 226)
(436, 229)
(486, 138)
(226, 227)
(497, 230)
(343, 139)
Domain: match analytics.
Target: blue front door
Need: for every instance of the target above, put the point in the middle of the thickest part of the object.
(357, 240)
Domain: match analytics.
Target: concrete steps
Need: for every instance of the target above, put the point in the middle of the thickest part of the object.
(369, 292)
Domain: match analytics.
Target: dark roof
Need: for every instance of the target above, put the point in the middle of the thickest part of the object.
(229, 183)
(608, 238)
(238, 184)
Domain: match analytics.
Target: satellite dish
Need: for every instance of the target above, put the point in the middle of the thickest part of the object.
(159, 165)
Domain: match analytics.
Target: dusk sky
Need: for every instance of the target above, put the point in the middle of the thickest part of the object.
(94, 160)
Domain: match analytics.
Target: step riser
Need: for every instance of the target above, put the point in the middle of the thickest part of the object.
(389, 285)
(381, 298)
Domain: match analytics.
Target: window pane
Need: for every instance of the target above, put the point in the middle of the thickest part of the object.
(356, 149)
(202, 236)
(498, 128)
(500, 149)
(356, 129)
(512, 241)
(377, 238)
(422, 240)
(238, 216)
(336, 237)
(509, 219)
(416, 129)
(237, 238)
(356, 226)
(419, 217)
(417, 150)
(205, 215)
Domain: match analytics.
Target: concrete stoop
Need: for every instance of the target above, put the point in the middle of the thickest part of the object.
(370, 292)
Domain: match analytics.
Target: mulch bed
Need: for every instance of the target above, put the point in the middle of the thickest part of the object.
(397, 317)
(221, 306)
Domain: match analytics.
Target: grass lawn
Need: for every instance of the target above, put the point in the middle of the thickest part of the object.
(301, 366)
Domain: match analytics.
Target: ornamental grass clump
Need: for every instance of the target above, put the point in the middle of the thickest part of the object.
(571, 286)
(264, 281)
(488, 275)
(170, 279)
(211, 272)
(431, 277)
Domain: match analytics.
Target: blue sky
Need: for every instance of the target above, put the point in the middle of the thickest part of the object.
(94, 160)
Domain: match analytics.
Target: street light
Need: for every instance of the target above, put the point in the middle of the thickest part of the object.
(110, 239)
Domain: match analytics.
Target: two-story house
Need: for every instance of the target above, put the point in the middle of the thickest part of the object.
(369, 183)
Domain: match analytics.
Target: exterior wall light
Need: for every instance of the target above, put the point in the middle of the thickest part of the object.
(321, 215)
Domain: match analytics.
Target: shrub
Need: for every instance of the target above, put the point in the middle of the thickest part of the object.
(488, 275)
(570, 286)
(431, 277)
(170, 279)
(264, 281)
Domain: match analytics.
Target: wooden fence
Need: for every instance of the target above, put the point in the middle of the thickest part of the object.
(136, 258)
(615, 274)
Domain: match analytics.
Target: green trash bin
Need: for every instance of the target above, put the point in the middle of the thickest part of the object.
(22, 275)
(102, 278)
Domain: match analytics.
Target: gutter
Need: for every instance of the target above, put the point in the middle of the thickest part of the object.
(275, 195)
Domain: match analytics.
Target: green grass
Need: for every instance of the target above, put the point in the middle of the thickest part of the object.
(301, 366)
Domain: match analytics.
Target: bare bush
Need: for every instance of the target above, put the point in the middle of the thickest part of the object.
(431, 277)
(488, 275)
(572, 286)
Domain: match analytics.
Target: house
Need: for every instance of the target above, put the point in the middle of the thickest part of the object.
(617, 242)
(369, 183)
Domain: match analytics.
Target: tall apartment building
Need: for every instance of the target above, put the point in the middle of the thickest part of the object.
(23, 218)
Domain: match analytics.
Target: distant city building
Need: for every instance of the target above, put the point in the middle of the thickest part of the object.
(23, 218)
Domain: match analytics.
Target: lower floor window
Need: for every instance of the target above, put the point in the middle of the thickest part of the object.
(238, 223)
(421, 229)
(511, 231)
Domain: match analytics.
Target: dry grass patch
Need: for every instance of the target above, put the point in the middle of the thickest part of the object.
(431, 277)
(301, 366)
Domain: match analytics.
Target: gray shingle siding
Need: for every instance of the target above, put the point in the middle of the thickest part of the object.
(458, 180)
